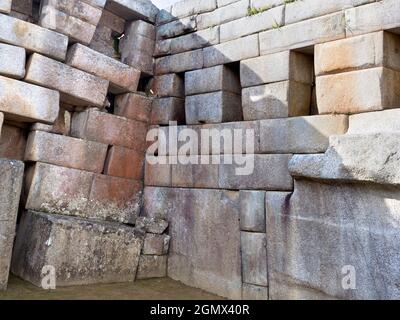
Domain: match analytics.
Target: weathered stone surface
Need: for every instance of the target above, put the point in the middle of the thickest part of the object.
(301, 10)
(276, 100)
(282, 66)
(103, 42)
(124, 163)
(305, 235)
(236, 10)
(176, 28)
(269, 19)
(189, 7)
(152, 225)
(252, 211)
(252, 292)
(180, 62)
(218, 78)
(152, 267)
(209, 217)
(28, 103)
(11, 173)
(65, 151)
(381, 49)
(5, 6)
(62, 125)
(140, 60)
(300, 134)
(165, 110)
(76, 87)
(142, 28)
(122, 77)
(376, 16)
(373, 122)
(158, 174)
(156, 244)
(303, 34)
(133, 106)
(169, 85)
(367, 158)
(96, 3)
(345, 92)
(12, 142)
(231, 51)
(216, 107)
(112, 21)
(254, 258)
(22, 6)
(75, 28)
(30, 37)
(270, 172)
(114, 199)
(164, 16)
(133, 10)
(12, 61)
(109, 129)
(135, 43)
(110, 254)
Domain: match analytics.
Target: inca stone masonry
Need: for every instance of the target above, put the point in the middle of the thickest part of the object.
(82, 82)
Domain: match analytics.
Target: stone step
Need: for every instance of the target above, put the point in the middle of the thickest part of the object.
(216, 107)
(276, 100)
(110, 254)
(65, 151)
(133, 106)
(109, 129)
(345, 92)
(25, 102)
(76, 87)
(380, 49)
(73, 192)
(11, 173)
(122, 77)
(30, 37)
(12, 61)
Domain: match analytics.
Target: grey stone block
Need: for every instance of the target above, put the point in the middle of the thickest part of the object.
(133, 10)
(180, 62)
(5, 6)
(12, 61)
(169, 85)
(165, 110)
(252, 211)
(252, 292)
(176, 28)
(151, 267)
(156, 244)
(254, 258)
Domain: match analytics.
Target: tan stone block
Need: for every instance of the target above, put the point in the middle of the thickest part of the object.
(124, 163)
(65, 151)
(358, 91)
(133, 106)
(122, 77)
(25, 102)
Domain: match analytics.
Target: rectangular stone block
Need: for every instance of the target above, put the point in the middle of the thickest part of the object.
(132, 43)
(381, 49)
(158, 174)
(374, 122)
(189, 7)
(12, 61)
(109, 129)
(209, 217)
(11, 173)
(152, 267)
(103, 42)
(5, 6)
(114, 199)
(262, 172)
(112, 21)
(124, 163)
(96, 3)
(12, 142)
(276, 100)
(45, 239)
(76, 29)
(218, 78)
(165, 110)
(76, 87)
(22, 6)
(122, 77)
(140, 60)
(169, 85)
(152, 225)
(133, 106)
(232, 51)
(142, 28)
(282, 66)
(303, 34)
(156, 244)
(254, 258)
(133, 10)
(216, 107)
(65, 151)
(176, 28)
(223, 14)
(300, 134)
(346, 92)
(25, 102)
(62, 125)
(270, 19)
(252, 292)
(29, 36)
(180, 62)
(164, 16)
(252, 211)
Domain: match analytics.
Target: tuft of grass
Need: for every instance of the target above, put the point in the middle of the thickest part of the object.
(251, 11)
(289, 1)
